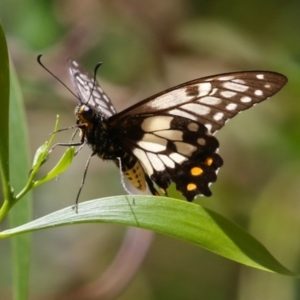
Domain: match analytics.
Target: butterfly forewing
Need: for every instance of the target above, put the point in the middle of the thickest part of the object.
(168, 137)
(89, 91)
(212, 100)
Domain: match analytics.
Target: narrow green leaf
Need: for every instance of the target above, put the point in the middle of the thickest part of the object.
(180, 219)
(43, 152)
(40, 155)
(4, 115)
(12, 138)
(19, 168)
(60, 167)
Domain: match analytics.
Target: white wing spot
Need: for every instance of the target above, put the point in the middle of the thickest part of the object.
(201, 141)
(152, 143)
(86, 79)
(267, 86)
(225, 78)
(258, 92)
(241, 81)
(235, 86)
(196, 108)
(185, 148)
(193, 126)
(214, 90)
(167, 161)
(218, 116)
(173, 135)
(178, 158)
(204, 89)
(156, 162)
(231, 106)
(210, 100)
(245, 99)
(106, 111)
(96, 94)
(80, 80)
(228, 94)
(156, 123)
(105, 98)
(141, 155)
(184, 114)
(208, 126)
(260, 76)
(178, 96)
(148, 146)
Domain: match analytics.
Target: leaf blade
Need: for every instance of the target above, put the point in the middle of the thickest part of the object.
(19, 168)
(4, 115)
(180, 219)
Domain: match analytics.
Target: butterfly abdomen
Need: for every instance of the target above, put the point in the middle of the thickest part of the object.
(132, 170)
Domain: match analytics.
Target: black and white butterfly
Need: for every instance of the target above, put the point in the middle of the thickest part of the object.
(168, 137)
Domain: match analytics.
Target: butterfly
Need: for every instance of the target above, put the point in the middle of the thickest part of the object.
(168, 137)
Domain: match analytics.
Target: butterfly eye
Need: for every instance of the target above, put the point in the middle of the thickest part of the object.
(86, 112)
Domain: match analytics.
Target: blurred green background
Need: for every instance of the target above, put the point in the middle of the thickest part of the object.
(148, 46)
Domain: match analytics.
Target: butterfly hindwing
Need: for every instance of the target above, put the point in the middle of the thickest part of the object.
(173, 149)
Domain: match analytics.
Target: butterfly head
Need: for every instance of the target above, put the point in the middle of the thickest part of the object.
(86, 117)
(84, 113)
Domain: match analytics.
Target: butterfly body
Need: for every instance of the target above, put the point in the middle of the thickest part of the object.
(168, 137)
(103, 140)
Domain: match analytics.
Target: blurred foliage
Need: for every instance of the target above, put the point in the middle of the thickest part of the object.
(147, 47)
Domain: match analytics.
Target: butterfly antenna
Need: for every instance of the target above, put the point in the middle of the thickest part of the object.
(53, 75)
(94, 79)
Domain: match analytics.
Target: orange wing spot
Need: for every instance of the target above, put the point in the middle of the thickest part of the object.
(196, 171)
(191, 186)
(209, 161)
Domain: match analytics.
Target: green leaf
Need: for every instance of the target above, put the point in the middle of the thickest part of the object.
(4, 115)
(13, 160)
(187, 221)
(19, 168)
(60, 167)
(40, 155)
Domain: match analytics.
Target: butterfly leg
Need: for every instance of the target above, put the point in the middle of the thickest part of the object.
(119, 164)
(75, 207)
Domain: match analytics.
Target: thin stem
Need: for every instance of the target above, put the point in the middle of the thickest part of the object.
(10, 200)
(5, 208)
